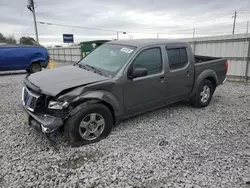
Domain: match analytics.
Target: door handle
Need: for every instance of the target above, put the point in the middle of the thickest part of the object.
(188, 73)
(162, 79)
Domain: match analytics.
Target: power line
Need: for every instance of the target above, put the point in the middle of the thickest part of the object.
(63, 25)
(29, 27)
(180, 31)
(88, 28)
(244, 11)
(25, 31)
(19, 18)
(198, 21)
(199, 28)
(110, 30)
(186, 30)
(202, 28)
(187, 23)
(115, 31)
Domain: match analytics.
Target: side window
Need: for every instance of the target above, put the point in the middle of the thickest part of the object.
(177, 58)
(150, 59)
(183, 54)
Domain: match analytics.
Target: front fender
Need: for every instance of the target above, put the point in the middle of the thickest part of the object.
(101, 96)
(209, 73)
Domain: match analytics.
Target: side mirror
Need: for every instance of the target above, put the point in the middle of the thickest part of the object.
(139, 72)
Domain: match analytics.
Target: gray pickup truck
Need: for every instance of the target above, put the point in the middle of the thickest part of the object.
(117, 80)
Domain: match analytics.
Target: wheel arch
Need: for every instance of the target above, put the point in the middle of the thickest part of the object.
(103, 97)
(208, 74)
(213, 81)
(37, 60)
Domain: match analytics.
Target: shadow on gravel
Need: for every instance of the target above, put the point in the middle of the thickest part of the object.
(12, 73)
(170, 107)
(57, 140)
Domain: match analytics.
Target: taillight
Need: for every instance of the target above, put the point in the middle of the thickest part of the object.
(226, 66)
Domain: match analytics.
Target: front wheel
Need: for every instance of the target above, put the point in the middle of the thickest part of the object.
(90, 124)
(203, 94)
(35, 67)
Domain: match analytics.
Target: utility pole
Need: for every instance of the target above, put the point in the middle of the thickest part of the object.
(117, 33)
(247, 26)
(193, 33)
(248, 55)
(194, 40)
(31, 7)
(157, 35)
(234, 16)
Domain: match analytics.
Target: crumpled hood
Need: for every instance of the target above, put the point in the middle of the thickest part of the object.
(56, 80)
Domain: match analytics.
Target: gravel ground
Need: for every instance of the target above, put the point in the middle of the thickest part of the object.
(177, 146)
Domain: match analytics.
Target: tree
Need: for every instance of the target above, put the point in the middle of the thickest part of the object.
(10, 40)
(2, 38)
(27, 41)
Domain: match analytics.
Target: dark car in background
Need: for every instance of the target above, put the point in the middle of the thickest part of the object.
(21, 57)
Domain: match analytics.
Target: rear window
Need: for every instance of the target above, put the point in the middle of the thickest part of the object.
(177, 58)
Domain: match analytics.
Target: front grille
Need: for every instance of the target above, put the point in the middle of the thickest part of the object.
(40, 103)
(33, 103)
(29, 99)
(25, 96)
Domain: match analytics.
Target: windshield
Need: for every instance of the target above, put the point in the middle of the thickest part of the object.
(108, 58)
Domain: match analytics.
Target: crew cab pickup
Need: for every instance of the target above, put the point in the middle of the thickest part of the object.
(117, 80)
(21, 57)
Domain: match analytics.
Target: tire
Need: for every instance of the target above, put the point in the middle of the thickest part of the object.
(35, 67)
(28, 71)
(203, 94)
(73, 132)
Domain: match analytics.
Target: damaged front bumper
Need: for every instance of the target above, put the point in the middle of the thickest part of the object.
(43, 122)
(40, 120)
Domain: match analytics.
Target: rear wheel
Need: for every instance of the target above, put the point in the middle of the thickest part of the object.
(203, 94)
(91, 123)
(35, 67)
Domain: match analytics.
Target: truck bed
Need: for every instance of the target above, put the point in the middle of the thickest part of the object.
(200, 59)
(216, 64)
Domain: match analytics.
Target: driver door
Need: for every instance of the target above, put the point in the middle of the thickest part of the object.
(146, 92)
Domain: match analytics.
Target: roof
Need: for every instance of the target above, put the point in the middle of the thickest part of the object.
(17, 46)
(145, 42)
(95, 41)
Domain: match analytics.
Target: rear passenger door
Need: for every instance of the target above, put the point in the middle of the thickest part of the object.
(180, 74)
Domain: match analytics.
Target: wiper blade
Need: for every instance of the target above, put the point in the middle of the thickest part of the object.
(96, 70)
(83, 66)
(93, 68)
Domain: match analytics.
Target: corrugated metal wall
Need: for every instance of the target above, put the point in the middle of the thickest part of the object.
(65, 54)
(232, 47)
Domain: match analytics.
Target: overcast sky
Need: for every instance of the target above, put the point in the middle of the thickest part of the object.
(139, 18)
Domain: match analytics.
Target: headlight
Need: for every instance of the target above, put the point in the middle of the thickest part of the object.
(57, 105)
